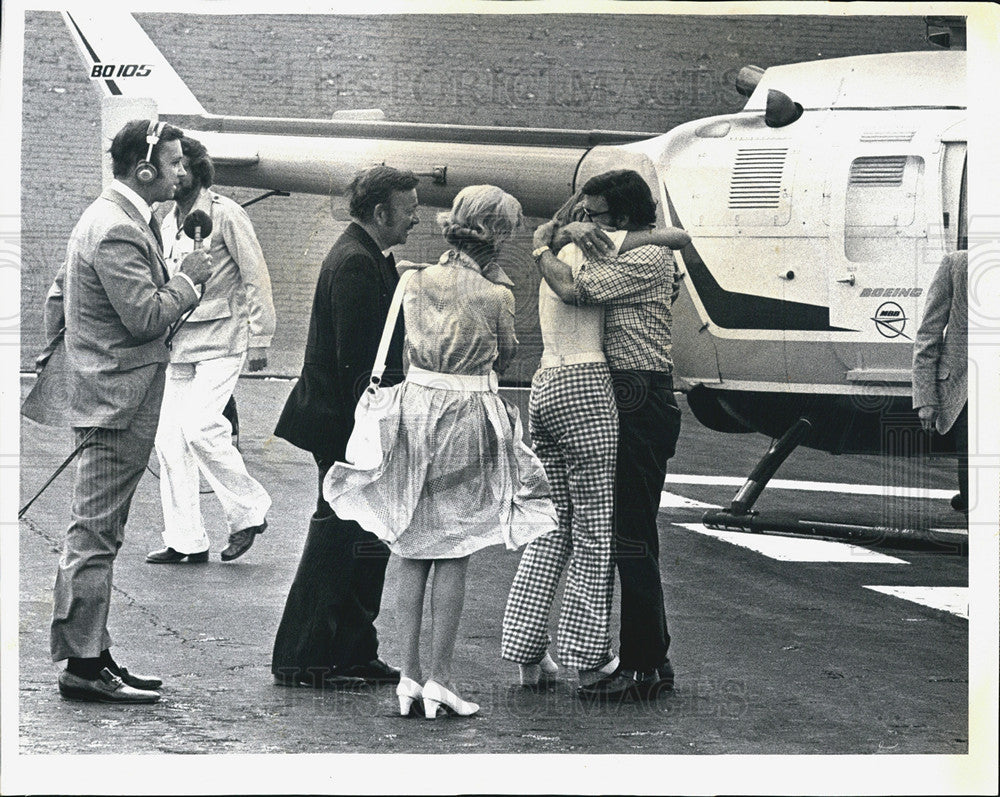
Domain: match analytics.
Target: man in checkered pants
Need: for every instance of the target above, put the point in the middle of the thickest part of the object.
(577, 405)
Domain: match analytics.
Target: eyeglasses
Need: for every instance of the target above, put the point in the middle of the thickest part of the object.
(591, 215)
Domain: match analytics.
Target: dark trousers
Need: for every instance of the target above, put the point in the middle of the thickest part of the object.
(649, 425)
(329, 616)
(960, 429)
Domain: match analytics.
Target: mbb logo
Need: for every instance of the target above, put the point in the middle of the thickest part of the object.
(120, 70)
(890, 320)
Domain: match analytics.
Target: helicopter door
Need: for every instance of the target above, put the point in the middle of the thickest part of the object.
(873, 292)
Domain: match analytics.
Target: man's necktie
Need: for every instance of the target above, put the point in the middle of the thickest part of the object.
(154, 225)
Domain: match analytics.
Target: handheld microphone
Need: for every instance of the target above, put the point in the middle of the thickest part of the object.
(197, 225)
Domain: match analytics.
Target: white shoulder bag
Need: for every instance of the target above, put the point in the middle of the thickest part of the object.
(364, 448)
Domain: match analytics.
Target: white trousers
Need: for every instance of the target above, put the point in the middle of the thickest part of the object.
(192, 436)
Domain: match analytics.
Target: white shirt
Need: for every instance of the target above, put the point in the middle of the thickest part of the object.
(569, 329)
(140, 204)
(176, 244)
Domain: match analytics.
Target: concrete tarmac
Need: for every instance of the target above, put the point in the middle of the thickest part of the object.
(772, 657)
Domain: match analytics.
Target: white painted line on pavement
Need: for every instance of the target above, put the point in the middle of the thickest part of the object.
(674, 501)
(946, 599)
(797, 549)
(822, 487)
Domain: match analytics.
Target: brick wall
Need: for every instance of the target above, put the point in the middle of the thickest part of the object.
(618, 72)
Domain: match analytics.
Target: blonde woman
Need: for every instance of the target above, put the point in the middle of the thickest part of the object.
(456, 475)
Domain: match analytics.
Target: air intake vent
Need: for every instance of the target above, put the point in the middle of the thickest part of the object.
(887, 171)
(888, 135)
(756, 181)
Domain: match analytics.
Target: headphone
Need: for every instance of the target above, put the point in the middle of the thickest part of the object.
(145, 171)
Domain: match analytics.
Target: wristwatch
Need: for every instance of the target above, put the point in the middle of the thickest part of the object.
(540, 251)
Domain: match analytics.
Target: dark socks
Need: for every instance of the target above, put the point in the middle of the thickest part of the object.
(90, 668)
(110, 663)
(87, 669)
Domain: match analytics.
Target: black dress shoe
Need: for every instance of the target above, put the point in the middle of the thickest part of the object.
(240, 541)
(106, 688)
(375, 671)
(622, 686)
(168, 556)
(137, 681)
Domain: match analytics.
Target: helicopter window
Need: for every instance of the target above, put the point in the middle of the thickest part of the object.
(878, 171)
(882, 198)
(954, 221)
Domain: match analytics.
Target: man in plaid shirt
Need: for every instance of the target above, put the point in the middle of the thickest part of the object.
(636, 289)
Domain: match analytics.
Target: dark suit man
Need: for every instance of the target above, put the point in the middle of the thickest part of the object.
(327, 635)
(113, 304)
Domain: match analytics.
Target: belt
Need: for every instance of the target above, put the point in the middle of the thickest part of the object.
(650, 378)
(557, 360)
(470, 383)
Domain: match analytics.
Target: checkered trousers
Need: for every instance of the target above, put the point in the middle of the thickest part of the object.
(574, 431)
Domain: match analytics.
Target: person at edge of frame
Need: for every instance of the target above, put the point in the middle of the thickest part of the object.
(941, 363)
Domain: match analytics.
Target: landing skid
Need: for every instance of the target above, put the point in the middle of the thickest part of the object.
(740, 515)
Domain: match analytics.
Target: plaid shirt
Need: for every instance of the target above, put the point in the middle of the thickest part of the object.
(636, 289)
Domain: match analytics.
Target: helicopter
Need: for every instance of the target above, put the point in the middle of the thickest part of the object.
(818, 214)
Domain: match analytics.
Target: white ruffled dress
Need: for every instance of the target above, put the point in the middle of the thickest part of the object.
(455, 475)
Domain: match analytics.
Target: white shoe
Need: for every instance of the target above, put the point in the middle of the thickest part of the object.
(409, 693)
(435, 696)
(588, 677)
(533, 674)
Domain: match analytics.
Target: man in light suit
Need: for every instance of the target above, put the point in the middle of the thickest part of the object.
(236, 315)
(113, 302)
(327, 635)
(941, 363)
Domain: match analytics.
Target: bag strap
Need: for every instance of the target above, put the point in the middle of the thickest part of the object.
(390, 325)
